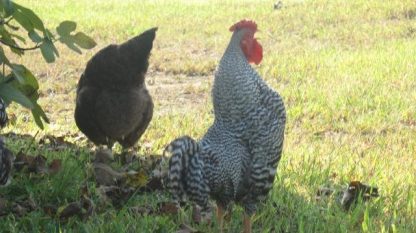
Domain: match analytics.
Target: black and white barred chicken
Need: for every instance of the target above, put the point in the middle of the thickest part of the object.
(3, 114)
(6, 157)
(236, 160)
(6, 163)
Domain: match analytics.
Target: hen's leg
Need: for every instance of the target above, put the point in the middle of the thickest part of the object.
(247, 223)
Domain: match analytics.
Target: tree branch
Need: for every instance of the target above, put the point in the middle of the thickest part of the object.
(19, 48)
(7, 23)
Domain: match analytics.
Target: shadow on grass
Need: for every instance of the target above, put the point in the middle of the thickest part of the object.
(25, 205)
(285, 210)
(23, 202)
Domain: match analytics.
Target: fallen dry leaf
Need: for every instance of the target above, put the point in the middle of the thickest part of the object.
(19, 206)
(22, 160)
(55, 143)
(141, 210)
(85, 191)
(116, 195)
(29, 203)
(83, 208)
(152, 185)
(167, 208)
(87, 207)
(38, 165)
(136, 179)
(73, 208)
(4, 206)
(183, 228)
(19, 210)
(55, 166)
(50, 209)
(106, 175)
(357, 191)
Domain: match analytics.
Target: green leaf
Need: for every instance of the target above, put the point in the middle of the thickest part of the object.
(68, 41)
(84, 41)
(3, 58)
(39, 115)
(24, 76)
(7, 38)
(27, 90)
(34, 36)
(30, 16)
(6, 6)
(48, 34)
(65, 28)
(3, 79)
(22, 39)
(10, 93)
(23, 20)
(48, 51)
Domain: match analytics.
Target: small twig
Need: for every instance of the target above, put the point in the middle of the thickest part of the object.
(19, 48)
(14, 28)
(7, 22)
(2, 21)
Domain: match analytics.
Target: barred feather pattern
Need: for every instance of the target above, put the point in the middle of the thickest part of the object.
(197, 171)
(255, 113)
(3, 114)
(237, 158)
(186, 177)
(6, 162)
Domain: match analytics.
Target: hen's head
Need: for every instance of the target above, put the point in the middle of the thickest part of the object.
(251, 48)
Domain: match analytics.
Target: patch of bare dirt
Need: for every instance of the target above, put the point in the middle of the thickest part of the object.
(178, 91)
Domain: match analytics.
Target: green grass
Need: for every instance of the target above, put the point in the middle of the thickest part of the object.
(347, 73)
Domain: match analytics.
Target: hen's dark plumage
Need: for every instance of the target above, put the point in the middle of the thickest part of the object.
(112, 102)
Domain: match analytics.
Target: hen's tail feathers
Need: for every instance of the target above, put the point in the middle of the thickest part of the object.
(137, 50)
(186, 174)
(3, 114)
(120, 65)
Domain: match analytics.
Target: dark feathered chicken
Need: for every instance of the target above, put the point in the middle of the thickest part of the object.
(112, 102)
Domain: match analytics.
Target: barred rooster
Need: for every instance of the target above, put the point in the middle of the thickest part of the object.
(3, 114)
(6, 157)
(112, 102)
(6, 162)
(236, 160)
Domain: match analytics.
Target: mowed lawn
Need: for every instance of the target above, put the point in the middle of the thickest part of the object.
(346, 71)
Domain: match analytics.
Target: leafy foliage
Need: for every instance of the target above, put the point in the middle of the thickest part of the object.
(18, 83)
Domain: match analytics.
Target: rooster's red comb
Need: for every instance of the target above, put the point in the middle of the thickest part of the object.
(250, 24)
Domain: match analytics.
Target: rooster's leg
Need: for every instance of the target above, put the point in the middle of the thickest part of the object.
(220, 216)
(247, 223)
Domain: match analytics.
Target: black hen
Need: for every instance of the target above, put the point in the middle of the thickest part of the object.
(112, 102)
